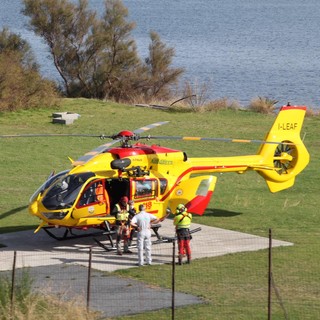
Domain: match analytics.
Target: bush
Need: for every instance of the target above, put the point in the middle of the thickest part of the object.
(262, 105)
(22, 87)
(221, 104)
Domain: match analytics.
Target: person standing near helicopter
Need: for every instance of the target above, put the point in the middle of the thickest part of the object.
(182, 221)
(121, 212)
(132, 213)
(142, 221)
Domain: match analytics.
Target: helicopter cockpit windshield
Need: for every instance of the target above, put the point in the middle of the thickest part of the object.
(52, 178)
(65, 190)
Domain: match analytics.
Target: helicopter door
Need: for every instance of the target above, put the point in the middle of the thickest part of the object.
(116, 189)
(94, 201)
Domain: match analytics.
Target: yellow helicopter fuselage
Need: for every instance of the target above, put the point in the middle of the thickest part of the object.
(161, 177)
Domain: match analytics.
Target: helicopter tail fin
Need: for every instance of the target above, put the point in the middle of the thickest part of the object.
(288, 158)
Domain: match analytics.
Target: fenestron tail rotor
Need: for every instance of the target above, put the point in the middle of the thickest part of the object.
(285, 157)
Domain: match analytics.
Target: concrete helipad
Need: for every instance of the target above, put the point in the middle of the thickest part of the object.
(34, 250)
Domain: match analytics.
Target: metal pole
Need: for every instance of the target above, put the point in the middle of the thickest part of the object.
(12, 282)
(173, 278)
(89, 279)
(270, 274)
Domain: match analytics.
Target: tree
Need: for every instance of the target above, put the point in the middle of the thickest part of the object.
(66, 28)
(97, 58)
(118, 59)
(21, 85)
(12, 42)
(161, 75)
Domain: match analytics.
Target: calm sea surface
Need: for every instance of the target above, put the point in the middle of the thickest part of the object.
(241, 49)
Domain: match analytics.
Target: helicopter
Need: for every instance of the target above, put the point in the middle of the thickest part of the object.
(159, 177)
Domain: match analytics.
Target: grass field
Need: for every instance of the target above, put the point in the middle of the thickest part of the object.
(240, 202)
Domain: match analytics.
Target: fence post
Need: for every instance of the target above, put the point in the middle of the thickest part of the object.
(89, 279)
(269, 274)
(12, 282)
(173, 278)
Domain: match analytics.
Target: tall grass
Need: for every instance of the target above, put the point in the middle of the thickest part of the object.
(263, 105)
(31, 305)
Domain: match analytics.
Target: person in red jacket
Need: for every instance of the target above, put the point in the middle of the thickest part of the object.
(182, 221)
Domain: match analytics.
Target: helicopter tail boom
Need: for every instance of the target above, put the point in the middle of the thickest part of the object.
(290, 156)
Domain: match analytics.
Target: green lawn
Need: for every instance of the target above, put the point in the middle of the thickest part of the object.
(233, 286)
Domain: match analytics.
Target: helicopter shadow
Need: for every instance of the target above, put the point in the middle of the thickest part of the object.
(221, 213)
(102, 258)
(24, 239)
(11, 229)
(11, 212)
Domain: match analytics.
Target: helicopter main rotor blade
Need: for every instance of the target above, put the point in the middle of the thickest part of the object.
(33, 135)
(117, 138)
(101, 136)
(87, 156)
(150, 126)
(213, 139)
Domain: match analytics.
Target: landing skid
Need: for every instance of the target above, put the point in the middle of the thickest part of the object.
(172, 239)
(69, 234)
(100, 244)
(112, 247)
(109, 233)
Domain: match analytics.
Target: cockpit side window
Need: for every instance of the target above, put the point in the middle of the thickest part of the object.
(163, 185)
(146, 188)
(94, 193)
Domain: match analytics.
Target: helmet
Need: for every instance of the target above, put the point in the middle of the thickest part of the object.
(180, 208)
(124, 199)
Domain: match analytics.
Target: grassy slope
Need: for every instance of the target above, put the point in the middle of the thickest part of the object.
(240, 202)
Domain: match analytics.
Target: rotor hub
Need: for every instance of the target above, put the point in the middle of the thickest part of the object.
(126, 133)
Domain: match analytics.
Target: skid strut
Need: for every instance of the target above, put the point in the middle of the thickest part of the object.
(110, 232)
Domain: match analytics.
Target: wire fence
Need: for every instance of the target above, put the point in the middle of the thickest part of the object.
(231, 276)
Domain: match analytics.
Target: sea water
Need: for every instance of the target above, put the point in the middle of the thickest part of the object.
(239, 49)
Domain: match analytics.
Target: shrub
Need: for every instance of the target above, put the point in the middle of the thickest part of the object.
(22, 87)
(221, 104)
(262, 105)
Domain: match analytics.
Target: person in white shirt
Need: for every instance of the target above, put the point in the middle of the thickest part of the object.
(142, 221)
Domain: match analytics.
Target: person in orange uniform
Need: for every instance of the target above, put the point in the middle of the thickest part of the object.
(100, 193)
(182, 222)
